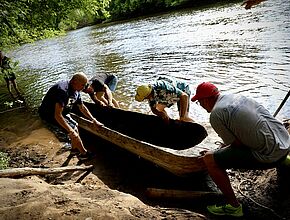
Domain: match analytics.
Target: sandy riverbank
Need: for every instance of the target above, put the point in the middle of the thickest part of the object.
(69, 195)
(115, 187)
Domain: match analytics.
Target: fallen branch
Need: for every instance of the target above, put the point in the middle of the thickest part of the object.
(177, 194)
(26, 171)
(12, 109)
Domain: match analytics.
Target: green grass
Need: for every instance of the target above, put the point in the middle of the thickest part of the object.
(4, 160)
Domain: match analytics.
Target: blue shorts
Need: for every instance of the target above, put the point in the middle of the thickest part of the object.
(59, 131)
(241, 158)
(111, 82)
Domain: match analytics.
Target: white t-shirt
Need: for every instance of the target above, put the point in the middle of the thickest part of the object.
(238, 117)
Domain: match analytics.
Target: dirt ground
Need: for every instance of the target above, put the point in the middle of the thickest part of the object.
(116, 187)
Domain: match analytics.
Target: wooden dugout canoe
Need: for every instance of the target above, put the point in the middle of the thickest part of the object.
(147, 136)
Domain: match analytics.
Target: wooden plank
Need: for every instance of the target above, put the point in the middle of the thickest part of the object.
(176, 164)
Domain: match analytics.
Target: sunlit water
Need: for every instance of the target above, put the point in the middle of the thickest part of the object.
(241, 51)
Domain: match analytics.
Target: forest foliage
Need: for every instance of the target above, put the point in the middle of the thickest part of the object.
(23, 21)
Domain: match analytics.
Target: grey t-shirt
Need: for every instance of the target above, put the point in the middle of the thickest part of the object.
(238, 117)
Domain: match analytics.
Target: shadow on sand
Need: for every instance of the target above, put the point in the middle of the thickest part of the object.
(124, 171)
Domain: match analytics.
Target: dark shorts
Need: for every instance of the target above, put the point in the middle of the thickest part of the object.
(241, 158)
(9, 77)
(111, 82)
(59, 131)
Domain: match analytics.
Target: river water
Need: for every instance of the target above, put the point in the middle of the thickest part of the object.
(241, 51)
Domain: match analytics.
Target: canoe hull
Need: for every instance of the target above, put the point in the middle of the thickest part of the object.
(176, 135)
(175, 164)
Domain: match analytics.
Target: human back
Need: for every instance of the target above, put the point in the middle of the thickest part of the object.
(101, 79)
(168, 93)
(253, 139)
(66, 93)
(58, 93)
(249, 122)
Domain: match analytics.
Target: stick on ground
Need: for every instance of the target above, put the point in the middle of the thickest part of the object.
(177, 194)
(27, 171)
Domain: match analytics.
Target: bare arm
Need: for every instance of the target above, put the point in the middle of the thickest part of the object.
(60, 119)
(95, 99)
(87, 113)
(183, 106)
(73, 134)
(108, 95)
(160, 113)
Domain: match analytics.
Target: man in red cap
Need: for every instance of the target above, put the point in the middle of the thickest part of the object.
(205, 91)
(252, 139)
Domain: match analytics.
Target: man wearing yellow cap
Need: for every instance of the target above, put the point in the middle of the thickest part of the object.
(165, 93)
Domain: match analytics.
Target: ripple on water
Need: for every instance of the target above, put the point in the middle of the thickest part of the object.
(242, 51)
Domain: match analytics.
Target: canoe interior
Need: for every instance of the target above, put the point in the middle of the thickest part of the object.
(149, 128)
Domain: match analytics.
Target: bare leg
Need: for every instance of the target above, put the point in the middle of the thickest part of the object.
(16, 87)
(221, 179)
(77, 143)
(116, 104)
(8, 84)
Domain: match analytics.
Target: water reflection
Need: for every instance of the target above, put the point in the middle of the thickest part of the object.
(241, 51)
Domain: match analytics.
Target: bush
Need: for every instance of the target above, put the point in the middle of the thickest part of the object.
(4, 160)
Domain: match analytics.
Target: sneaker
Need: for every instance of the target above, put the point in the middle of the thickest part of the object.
(226, 210)
(86, 156)
(74, 152)
(286, 162)
(67, 146)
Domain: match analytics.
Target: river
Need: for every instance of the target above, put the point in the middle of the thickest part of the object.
(241, 51)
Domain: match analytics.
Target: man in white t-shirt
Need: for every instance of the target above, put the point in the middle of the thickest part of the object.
(252, 139)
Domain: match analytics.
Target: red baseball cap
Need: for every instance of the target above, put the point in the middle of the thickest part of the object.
(205, 90)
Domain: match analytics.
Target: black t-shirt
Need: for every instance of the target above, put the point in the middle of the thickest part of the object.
(61, 93)
(5, 63)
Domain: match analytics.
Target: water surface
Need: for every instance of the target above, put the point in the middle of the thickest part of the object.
(241, 51)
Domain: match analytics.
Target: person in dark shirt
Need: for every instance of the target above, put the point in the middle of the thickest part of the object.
(100, 90)
(9, 76)
(58, 103)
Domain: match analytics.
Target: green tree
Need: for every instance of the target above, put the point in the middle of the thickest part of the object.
(23, 21)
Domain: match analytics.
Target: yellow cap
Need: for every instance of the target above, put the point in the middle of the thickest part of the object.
(142, 92)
